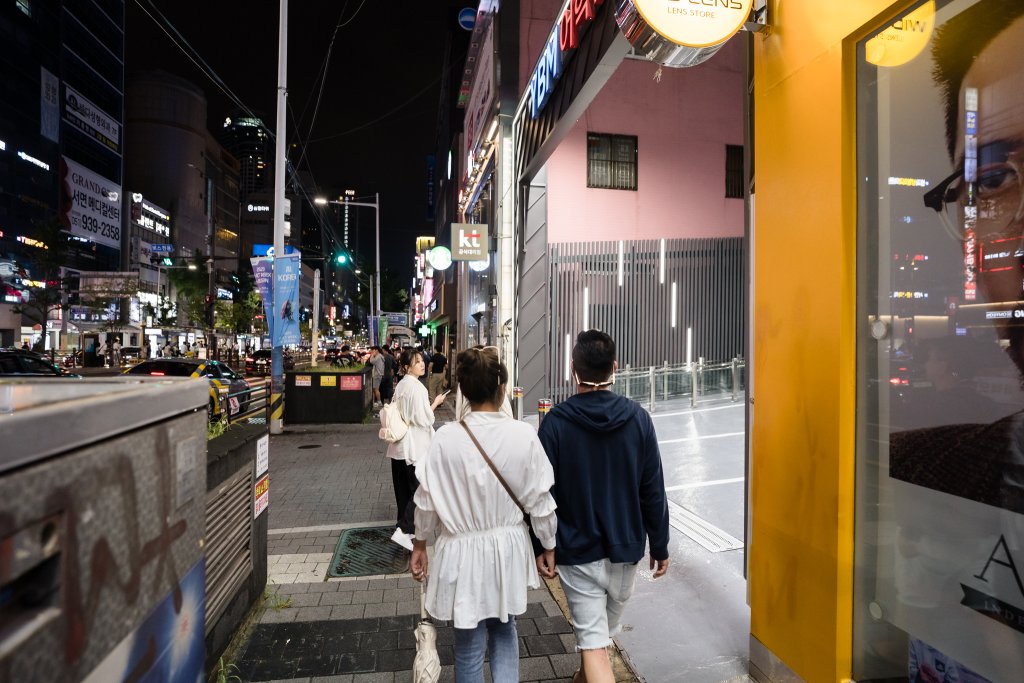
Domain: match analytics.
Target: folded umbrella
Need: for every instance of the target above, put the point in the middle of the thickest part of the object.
(426, 667)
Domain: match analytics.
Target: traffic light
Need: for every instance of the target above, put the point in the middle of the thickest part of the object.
(341, 258)
(168, 261)
(210, 301)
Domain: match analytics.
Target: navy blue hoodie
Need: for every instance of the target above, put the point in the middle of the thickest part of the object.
(609, 484)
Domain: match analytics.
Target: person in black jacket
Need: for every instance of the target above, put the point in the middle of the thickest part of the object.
(611, 499)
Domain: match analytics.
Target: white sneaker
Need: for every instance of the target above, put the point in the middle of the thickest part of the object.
(403, 539)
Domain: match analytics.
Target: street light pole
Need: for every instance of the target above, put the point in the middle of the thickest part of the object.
(277, 354)
(375, 205)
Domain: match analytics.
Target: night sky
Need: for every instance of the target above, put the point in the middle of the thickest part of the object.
(377, 118)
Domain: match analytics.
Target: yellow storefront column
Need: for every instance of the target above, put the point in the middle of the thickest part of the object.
(804, 247)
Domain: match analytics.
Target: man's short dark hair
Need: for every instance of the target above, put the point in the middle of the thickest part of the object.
(439, 348)
(958, 43)
(593, 357)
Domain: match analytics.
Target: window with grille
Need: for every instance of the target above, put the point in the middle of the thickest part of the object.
(734, 171)
(611, 161)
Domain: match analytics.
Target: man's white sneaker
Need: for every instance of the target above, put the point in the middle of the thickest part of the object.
(403, 539)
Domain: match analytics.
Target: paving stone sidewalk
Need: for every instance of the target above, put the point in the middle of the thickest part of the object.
(325, 479)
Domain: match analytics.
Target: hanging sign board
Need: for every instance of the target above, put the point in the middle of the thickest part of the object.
(695, 24)
(469, 241)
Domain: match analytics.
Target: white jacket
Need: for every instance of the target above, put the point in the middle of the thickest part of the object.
(414, 406)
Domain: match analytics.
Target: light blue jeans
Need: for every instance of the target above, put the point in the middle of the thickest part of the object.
(500, 641)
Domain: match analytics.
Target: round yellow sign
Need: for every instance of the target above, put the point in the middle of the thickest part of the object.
(904, 39)
(695, 23)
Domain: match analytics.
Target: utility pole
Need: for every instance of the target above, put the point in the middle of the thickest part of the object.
(315, 326)
(277, 354)
(211, 274)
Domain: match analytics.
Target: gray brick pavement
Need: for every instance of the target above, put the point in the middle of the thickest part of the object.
(356, 629)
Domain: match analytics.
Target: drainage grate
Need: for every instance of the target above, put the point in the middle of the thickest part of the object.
(368, 552)
(700, 530)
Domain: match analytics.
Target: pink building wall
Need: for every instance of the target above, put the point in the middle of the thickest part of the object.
(682, 126)
(682, 123)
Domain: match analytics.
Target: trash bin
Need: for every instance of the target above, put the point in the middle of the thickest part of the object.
(102, 490)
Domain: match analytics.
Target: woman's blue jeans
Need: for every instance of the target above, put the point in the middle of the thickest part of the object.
(500, 641)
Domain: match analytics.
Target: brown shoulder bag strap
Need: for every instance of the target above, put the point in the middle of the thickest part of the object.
(494, 469)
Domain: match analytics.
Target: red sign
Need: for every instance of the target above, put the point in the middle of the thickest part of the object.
(578, 12)
(350, 382)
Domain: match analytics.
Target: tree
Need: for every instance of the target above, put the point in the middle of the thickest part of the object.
(46, 288)
(191, 285)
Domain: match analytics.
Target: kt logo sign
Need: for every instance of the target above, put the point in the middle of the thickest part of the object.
(469, 241)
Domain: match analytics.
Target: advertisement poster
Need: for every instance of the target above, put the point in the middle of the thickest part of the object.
(169, 645)
(91, 204)
(285, 330)
(91, 120)
(263, 271)
(941, 482)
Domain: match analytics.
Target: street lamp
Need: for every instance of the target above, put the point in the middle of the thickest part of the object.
(375, 205)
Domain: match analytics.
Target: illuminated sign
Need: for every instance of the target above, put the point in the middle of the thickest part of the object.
(439, 258)
(93, 207)
(91, 120)
(695, 23)
(258, 208)
(547, 71)
(469, 241)
(480, 266)
(908, 182)
(3, 148)
(31, 242)
(150, 216)
(32, 160)
(905, 39)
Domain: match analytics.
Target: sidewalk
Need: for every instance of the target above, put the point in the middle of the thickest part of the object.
(325, 479)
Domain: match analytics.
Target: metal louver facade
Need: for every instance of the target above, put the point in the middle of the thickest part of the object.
(626, 289)
(228, 541)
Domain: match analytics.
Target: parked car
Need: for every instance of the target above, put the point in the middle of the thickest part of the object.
(15, 362)
(130, 355)
(225, 383)
(258, 362)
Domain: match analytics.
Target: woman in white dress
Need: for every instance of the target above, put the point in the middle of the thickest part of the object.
(483, 560)
(417, 411)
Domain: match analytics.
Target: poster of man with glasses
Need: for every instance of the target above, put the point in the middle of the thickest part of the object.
(940, 454)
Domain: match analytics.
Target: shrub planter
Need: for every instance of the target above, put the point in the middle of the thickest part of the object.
(313, 397)
(236, 532)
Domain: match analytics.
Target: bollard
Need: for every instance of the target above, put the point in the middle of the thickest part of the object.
(735, 377)
(517, 402)
(543, 408)
(664, 381)
(650, 376)
(693, 385)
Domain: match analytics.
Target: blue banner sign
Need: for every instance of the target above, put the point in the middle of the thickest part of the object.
(286, 300)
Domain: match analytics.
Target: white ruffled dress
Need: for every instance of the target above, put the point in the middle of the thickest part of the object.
(483, 560)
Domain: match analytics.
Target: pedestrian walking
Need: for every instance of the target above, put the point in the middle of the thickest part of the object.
(115, 355)
(438, 363)
(462, 406)
(611, 497)
(377, 375)
(412, 407)
(477, 481)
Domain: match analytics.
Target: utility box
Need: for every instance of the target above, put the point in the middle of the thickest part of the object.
(102, 508)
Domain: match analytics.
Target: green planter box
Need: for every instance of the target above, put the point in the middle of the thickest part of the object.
(324, 397)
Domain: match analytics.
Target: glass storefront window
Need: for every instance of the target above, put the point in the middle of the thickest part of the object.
(939, 556)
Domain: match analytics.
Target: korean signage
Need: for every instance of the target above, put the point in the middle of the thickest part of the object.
(285, 329)
(564, 36)
(150, 216)
(469, 241)
(695, 24)
(261, 496)
(481, 96)
(49, 105)
(350, 382)
(93, 204)
(91, 120)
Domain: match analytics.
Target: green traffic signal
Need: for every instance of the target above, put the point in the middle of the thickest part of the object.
(341, 258)
(168, 261)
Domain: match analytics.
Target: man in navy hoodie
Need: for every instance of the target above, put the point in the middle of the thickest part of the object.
(611, 498)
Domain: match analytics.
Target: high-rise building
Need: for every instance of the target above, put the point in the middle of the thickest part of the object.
(61, 140)
(248, 141)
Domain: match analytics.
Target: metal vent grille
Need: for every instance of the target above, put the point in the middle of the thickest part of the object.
(228, 541)
(368, 551)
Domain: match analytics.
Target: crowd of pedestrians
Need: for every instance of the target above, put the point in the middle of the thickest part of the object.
(582, 499)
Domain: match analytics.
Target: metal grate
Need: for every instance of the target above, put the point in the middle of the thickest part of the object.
(700, 530)
(228, 540)
(368, 551)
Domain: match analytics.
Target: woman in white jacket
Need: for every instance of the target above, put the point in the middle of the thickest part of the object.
(483, 561)
(415, 409)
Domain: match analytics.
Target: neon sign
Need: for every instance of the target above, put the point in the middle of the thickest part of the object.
(565, 36)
